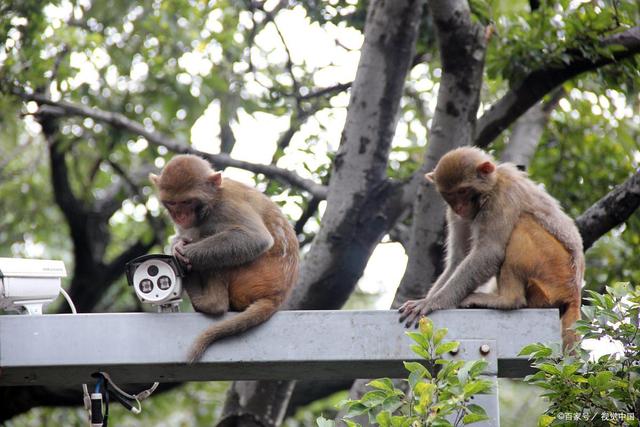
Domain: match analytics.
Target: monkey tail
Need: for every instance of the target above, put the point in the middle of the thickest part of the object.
(572, 309)
(568, 318)
(256, 313)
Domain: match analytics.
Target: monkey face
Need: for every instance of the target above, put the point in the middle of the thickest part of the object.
(463, 201)
(184, 212)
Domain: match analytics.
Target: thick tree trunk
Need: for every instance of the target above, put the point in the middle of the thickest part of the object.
(462, 46)
(361, 203)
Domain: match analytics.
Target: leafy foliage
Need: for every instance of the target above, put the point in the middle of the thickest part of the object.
(602, 390)
(165, 64)
(194, 404)
(556, 32)
(438, 391)
(578, 147)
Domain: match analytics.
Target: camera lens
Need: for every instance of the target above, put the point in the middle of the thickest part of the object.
(152, 270)
(145, 286)
(164, 283)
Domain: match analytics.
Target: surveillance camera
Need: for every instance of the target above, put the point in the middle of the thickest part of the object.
(26, 285)
(157, 280)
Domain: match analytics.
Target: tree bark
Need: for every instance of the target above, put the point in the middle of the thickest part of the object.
(462, 46)
(527, 132)
(362, 204)
(525, 136)
(610, 211)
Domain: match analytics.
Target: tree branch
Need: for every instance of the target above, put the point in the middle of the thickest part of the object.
(539, 82)
(310, 211)
(331, 90)
(66, 108)
(610, 211)
(527, 131)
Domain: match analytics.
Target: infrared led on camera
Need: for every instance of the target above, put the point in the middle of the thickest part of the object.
(146, 286)
(164, 283)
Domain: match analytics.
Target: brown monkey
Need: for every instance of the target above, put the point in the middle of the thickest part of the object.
(501, 223)
(239, 250)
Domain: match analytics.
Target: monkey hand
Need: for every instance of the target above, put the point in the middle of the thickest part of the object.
(413, 310)
(178, 252)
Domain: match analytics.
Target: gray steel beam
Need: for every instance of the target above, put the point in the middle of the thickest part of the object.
(146, 347)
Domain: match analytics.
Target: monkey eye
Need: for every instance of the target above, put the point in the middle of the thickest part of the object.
(463, 191)
(181, 203)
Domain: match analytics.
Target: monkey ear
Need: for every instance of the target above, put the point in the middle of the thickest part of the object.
(155, 179)
(215, 178)
(429, 176)
(486, 168)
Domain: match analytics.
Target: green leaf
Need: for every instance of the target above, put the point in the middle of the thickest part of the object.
(384, 419)
(531, 348)
(356, 409)
(374, 398)
(482, 10)
(447, 347)
(439, 335)
(545, 420)
(602, 379)
(568, 370)
(382, 384)
(403, 421)
(476, 409)
(421, 352)
(548, 368)
(418, 372)
(463, 373)
(478, 367)
(473, 418)
(323, 422)
(419, 338)
(425, 392)
(476, 387)
(391, 404)
(415, 367)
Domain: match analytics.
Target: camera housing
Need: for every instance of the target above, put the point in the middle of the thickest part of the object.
(26, 285)
(157, 280)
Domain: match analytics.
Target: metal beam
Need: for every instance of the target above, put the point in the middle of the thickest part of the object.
(65, 349)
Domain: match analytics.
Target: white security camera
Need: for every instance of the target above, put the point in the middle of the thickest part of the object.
(26, 285)
(157, 280)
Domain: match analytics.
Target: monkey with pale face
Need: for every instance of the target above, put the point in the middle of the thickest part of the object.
(500, 223)
(239, 250)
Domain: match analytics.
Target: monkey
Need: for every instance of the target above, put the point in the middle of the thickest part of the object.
(238, 249)
(500, 223)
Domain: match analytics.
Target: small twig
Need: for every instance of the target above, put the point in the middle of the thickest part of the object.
(340, 87)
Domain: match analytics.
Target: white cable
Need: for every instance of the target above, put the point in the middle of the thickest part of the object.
(137, 397)
(85, 389)
(68, 298)
(87, 399)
